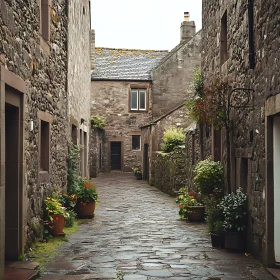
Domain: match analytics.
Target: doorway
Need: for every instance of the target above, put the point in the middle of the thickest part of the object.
(276, 168)
(146, 162)
(116, 151)
(13, 175)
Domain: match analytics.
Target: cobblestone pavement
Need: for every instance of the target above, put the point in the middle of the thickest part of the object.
(137, 231)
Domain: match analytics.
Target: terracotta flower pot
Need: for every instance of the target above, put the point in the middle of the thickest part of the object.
(56, 226)
(195, 213)
(85, 210)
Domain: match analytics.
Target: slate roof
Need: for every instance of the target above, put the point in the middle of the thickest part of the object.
(125, 64)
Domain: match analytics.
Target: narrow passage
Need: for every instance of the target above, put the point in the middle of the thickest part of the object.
(137, 231)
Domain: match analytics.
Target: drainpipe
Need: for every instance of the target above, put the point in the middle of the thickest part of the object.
(251, 33)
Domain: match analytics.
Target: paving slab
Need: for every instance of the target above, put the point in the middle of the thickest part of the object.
(137, 231)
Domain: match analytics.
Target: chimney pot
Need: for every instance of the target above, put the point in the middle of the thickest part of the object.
(186, 16)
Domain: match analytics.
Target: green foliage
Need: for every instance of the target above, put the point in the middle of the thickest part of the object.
(208, 176)
(86, 192)
(214, 218)
(136, 171)
(234, 207)
(172, 137)
(68, 201)
(98, 122)
(184, 200)
(193, 105)
(53, 207)
(70, 218)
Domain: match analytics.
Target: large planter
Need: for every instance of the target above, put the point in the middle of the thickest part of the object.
(195, 213)
(85, 210)
(218, 239)
(235, 241)
(56, 225)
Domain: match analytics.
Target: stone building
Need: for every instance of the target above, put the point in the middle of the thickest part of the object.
(35, 63)
(78, 84)
(170, 88)
(240, 44)
(122, 94)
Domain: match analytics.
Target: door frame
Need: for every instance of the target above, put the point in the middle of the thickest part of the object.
(272, 109)
(122, 152)
(8, 78)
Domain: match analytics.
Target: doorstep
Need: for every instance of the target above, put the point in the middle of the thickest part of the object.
(21, 271)
(274, 271)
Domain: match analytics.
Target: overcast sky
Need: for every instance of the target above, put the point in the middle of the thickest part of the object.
(141, 24)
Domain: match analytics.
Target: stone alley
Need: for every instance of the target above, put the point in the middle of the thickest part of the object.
(137, 232)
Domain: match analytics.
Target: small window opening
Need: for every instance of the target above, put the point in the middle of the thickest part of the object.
(251, 136)
(45, 146)
(45, 19)
(224, 44)
(136, 142)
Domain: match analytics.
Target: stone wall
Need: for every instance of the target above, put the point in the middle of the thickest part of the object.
(169, 171)
(171, 79)
(96, 152)
(43, 65)
(249, 129)
(78, 76)
(110, 99)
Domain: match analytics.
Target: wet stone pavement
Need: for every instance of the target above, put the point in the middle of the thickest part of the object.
(137, 231)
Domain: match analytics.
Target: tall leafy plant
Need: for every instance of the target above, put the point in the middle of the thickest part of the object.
(172, 137)
(234, 207)
(208, 176)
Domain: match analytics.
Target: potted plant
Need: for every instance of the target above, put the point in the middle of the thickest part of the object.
(56, 216)
(208, 176)
(214, 219)
(86, 199)
(137, 173)
(190, 207)
(234, 208)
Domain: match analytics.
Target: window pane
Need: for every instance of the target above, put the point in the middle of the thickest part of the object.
(134, 99)
(136, 142)
(142, 99)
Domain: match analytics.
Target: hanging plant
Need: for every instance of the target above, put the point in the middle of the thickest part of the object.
(98, 122)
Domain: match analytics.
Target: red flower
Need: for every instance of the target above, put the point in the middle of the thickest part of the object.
(56, 218)
(191, 192)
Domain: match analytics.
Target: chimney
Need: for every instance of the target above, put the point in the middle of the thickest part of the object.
(188, 28)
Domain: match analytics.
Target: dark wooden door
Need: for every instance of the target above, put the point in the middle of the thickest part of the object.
(116, 149)
(146, 162)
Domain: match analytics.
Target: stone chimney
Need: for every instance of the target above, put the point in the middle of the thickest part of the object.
(92, 49)
(188, 28)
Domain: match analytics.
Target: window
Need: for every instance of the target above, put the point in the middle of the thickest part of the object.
(45, 19)
(45, 146)
(138, 100)
(136, 142)
(224, 47)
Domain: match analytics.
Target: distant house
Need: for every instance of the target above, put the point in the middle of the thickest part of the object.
(121, 93)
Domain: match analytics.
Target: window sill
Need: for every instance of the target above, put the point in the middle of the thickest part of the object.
(138, 111)
(136, 150)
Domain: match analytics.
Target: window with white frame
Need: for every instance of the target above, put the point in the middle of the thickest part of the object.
(138, 99)
(136, 142)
